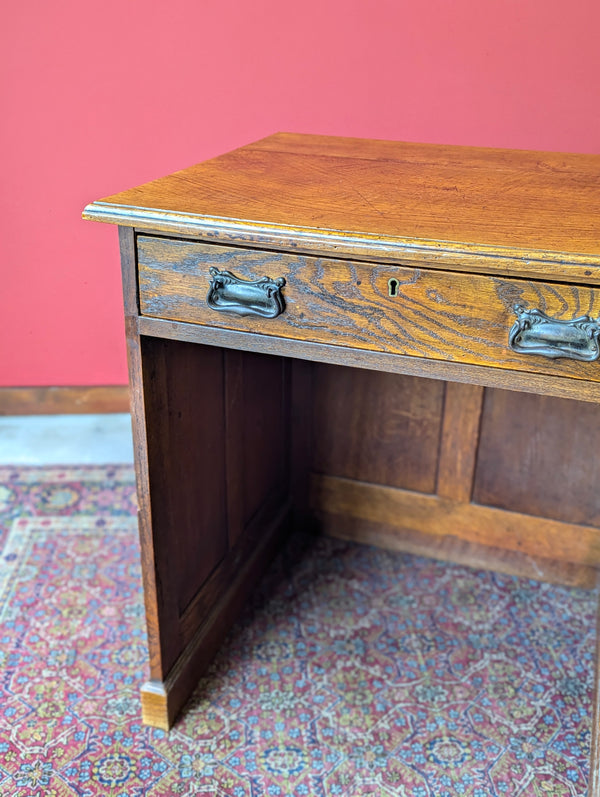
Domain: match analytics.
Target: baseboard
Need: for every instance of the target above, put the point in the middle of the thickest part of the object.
(64, 400)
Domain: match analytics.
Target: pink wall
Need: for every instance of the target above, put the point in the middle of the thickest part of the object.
(102, 96)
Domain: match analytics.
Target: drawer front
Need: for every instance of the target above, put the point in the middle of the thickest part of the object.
(434, 314)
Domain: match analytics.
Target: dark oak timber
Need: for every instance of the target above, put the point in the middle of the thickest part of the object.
(318, 336)
(377, 427)
(437, 516)
(551, 467)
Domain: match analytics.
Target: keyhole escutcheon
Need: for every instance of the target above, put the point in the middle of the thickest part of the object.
(393, 286)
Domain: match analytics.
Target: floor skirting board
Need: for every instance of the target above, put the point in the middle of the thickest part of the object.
(64, 400)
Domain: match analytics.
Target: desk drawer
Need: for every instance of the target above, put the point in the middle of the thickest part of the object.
(434, 314)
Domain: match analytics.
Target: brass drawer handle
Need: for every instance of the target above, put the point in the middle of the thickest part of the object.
(231, 294)
(536, 333)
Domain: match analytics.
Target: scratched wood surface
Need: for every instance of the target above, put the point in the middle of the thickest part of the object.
(513, 211)
(436, 314)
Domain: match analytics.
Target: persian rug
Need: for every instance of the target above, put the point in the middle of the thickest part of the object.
(354, 671)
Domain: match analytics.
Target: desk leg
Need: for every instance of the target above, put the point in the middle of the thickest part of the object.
(213, 484)
(211, 448)
(211, 440)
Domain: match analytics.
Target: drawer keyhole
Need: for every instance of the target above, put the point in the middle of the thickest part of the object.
(393, 287)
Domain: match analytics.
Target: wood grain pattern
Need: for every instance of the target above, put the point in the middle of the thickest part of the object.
(520, 212)
(393, 537)
(436, 314)
(468, 233)
(431, 514)
(539, 455)
(561, 387)
(460, 436)
(376, 427)
(163, 699)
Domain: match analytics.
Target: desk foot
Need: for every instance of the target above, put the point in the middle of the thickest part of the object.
(155, 705)
(162, 700)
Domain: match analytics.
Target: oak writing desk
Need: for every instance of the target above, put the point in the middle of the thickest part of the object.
(398, 340)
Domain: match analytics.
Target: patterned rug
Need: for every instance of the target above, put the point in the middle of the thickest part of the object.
(355, 672)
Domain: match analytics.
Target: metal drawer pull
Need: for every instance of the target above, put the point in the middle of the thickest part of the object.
(231, 294)
(536, 333)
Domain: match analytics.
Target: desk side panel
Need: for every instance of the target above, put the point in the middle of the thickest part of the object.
(216, 425)
(185, 430)
(211, 439)
(217, 497)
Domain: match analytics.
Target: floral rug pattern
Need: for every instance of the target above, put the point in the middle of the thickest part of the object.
(355, 672)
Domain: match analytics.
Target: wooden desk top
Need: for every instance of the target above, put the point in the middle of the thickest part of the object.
(504, 210)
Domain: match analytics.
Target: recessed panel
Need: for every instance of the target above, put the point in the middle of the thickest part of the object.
(539, 455)
(377, 427)
(183, 387)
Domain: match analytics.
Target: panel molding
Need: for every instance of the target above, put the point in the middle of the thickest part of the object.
(458, 551)
(440, 517)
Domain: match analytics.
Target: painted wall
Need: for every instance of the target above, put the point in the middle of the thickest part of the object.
(97, 97)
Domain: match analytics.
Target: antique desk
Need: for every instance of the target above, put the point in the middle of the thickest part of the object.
(397, 340)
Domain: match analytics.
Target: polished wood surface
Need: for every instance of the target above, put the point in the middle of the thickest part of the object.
(435, 314)
(372, 417)
(526, 381)
(369, 426)
(509, 211)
